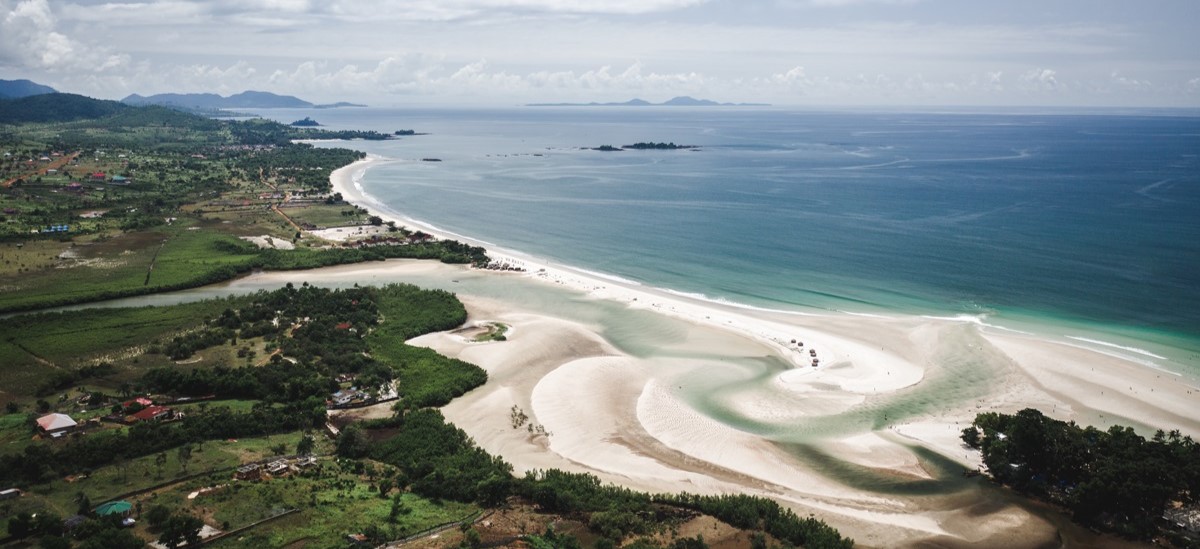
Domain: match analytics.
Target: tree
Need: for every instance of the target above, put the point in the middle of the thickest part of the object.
(517, 417)
(54, 542)
(47, 524)
(158, 516)
(181, 530)
(20, 525)
(185, 455)
(352, 443)
(112, 538)
(306, 445)
(83, 503)
(970, 436)
(472, 539)
(160, 461)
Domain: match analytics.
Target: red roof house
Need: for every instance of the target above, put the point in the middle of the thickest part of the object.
(140, 401)
(152, 413)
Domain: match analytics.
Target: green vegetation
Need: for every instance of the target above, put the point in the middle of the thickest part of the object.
(438, 460)
(495, 332)
(426, 377)
(333, 502)
(305, 122)
(178, 258)
(57, 107)
(43, 353)
(1114, 479)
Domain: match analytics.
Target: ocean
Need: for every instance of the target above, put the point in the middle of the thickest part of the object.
(1083, 226)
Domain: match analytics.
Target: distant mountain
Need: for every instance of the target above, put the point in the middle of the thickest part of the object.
(13, 89)
(681, 101)
(338, 105)
(56, 107)
(244, 100)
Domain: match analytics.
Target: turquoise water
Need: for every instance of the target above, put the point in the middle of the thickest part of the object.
(1082, 225)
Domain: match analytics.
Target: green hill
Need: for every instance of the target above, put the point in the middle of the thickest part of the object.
(55, 107)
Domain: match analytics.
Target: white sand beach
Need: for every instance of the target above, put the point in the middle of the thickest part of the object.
(632, 419)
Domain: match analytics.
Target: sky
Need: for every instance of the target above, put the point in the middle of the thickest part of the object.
(1143, 53)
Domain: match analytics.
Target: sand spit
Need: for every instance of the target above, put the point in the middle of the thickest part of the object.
(836, 440)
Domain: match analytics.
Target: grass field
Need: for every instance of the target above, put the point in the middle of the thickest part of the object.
(31, 255)
(34, 347)
(110, 482)
(322, 215)
(122, 266)
(332, 505)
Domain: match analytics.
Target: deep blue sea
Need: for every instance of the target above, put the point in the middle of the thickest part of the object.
(1084, 224)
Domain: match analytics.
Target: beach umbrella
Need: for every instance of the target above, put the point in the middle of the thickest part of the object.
(114, 508)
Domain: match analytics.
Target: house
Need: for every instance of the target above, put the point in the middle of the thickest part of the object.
(98, 176)
(119, 180)
(306, 462)
(55, 424)
(9, 494)
(140, 401)
(250, 471)
(154, 413)
(74, 521)
(278, 467)
(1184, 518)
(358, 538)
(344, 397)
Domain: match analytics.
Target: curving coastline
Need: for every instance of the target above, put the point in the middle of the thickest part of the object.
(723, 403)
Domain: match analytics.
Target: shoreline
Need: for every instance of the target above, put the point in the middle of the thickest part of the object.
(621, 417)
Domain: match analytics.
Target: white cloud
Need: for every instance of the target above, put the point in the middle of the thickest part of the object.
(841, 3)
(30, 39)
(1130, 83)
(1040, 80)
(505, 51)
(284, 12)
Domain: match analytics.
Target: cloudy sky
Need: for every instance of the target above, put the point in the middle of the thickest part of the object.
(503, 52)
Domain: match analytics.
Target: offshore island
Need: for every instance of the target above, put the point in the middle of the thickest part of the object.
(270, 376)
